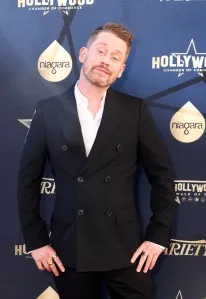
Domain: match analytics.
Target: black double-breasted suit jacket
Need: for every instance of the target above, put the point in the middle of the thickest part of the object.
(94, 225)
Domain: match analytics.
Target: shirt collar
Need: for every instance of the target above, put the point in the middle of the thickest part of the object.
(81, 99)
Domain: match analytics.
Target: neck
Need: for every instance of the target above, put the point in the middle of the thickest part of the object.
(89, 90)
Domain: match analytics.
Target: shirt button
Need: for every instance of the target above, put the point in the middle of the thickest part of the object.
(80, 212)
(80, 179)
(109, 213)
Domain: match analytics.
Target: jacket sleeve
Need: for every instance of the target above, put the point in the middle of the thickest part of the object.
(158, 168)
(32, 163)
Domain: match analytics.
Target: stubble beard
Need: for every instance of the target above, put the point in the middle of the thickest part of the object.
(96, 79)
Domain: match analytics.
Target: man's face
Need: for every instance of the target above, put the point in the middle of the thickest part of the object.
(104, 59)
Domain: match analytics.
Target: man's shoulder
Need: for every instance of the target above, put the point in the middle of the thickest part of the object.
(55, 101)
(126, 98)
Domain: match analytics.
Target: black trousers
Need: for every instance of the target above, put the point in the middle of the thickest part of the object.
(122, 284)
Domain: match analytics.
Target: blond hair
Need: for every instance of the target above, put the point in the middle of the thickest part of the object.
(117, 29)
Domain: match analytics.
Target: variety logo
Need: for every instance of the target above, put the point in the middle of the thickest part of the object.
(47, 6)
(188, 124)
(48, 186)
(185, 247)
(182, 62)
(190, 191)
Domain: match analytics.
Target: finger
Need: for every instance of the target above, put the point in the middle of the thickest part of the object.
(46, 265)
(54, 269)
(154, 260)
(141, 262)
(137, 253)
(40, 266)
(59, 263)
(148, 262)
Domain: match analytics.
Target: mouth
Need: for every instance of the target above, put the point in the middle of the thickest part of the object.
(102, 70)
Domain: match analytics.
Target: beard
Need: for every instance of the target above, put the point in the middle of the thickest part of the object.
(97, 77)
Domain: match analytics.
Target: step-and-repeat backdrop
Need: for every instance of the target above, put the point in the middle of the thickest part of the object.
(39, 44)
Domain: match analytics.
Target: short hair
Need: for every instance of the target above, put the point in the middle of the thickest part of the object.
(117, 29)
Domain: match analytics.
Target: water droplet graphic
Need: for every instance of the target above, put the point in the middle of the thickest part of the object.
(55, 63)
(187, 124)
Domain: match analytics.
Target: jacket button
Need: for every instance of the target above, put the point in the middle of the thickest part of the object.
(64, 148)
(108, 179)
(80, 212)
(109, 213)
(80, 179)
(119, 147)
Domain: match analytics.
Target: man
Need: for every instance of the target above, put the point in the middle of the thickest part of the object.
(93, 138)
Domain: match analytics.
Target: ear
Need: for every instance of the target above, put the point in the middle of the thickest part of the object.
(82, 54)
(122, 70)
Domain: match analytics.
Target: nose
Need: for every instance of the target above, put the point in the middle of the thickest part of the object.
(105, 59)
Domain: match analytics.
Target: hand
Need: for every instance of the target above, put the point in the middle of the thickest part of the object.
(46, 258)
(149, 252)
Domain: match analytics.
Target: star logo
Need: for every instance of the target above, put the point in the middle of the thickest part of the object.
(200, 57)
(177, 199)
(25, 122)
(49, 293)
(179, 295)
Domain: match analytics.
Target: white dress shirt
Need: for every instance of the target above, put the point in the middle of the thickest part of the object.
(89, 123)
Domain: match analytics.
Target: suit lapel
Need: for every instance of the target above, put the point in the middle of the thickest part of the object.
(109, 123)
(71, 129)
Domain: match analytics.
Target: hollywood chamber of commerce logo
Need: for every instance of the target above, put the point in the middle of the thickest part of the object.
(182, 62)
(187, 124)
(190, 191)
(47, 6)
(48, 185)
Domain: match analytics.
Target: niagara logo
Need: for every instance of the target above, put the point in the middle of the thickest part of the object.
(53, 5)
(187, 124)
(55, 63)
(187, 127)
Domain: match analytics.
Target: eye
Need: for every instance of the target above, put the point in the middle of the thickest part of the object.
(115, 58)
(100, 51)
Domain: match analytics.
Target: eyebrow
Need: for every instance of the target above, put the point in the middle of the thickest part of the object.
(106, 45)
